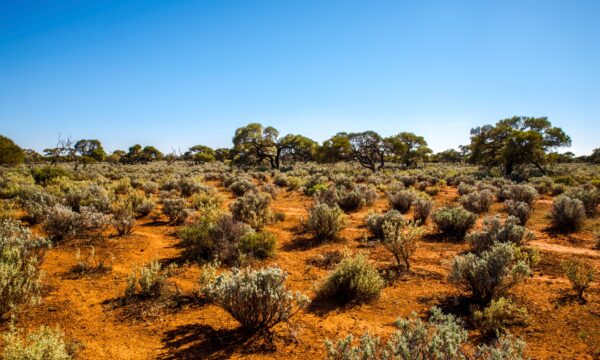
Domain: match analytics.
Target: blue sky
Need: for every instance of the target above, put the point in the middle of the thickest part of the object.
(179, 73)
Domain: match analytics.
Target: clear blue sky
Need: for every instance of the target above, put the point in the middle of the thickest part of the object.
(179, 73)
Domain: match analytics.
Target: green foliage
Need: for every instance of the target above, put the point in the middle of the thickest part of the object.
(400, 239)
(567, 214)
(253, 209)
(42, 344)
(580, 275)
(515, 141)
(45, 175)
(375, 222)
(258, 245)
(123, 218)
(402, 200)
(20, 254)
(150, 283)
(353, 280)
(454, 222)
(477, 201)
(490, 274)
(421, 209)
(215, 239)
(518, 209)
(588, 195)
(495, 232)
(441, 338)
(501, 313)
(257, 299)
(325, 222)
(10, 153)
(175, 209)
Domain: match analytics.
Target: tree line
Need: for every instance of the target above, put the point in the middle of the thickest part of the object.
(508, 144)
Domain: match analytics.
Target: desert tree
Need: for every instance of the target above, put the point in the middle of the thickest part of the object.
(10, 153)
(516, 141)
(256, 144)
(408, 148)
(200, 154)
(368, 148)
(89, 150)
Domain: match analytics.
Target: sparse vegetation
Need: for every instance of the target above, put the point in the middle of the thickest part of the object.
(580, 275)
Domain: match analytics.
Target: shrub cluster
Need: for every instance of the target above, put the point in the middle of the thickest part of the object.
(518, 209)
(374, 221)
(325, 222)
(402, 200)
(257, 299)
(42, 344)
(495, 232)
(477, 201)
(354, 279)
(454, 222)
(567, 214)
(589, 195)
(490, 274)
(253, 209)
(20, 254)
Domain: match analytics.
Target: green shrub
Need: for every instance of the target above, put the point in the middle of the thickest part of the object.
(44, 175)
(477, 201)
(505, 348)
(520, 192)
(353, 280)
(175, 209)
(61, 222)
(518, 209)
(454, 222)
(43, 344)
(258, 245)
(123, 219)
(580, 275)
(10, 153)
(494, 320)
(374, 222)
(567, 214)
(325, 222)
(257, 299)
(494, 231)
(490, 274)
(442, 338)
(588, 195)
(402, 200)
(214, 239)
(421, 209)
(150, 284)
(242, 186)
(20, 254)
(400, 239)
(253, 209)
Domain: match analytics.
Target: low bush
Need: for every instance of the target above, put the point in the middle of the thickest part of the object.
(518, 209)
(149, 284)
(123, 219)
(477, 201)
(325, 222)
(520, 192)
(216, 239)
(253, 209)
(400, 239)
(61, 222)
(567, 214)
(257, 299)
(490, 274)
(354, 280)
(402, 200)
(44, 175)
(242, 186)
(589, 195)
(421, 209)
(494, 231)
(580, 276)
(494, 319)
(441, 338)
(258, 245)
(454, 222)
(175, 209)
(374, 222)
(42, 344)
(20, 254)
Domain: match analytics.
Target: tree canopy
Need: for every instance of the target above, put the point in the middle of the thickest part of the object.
(516, 141)
(10, 153)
